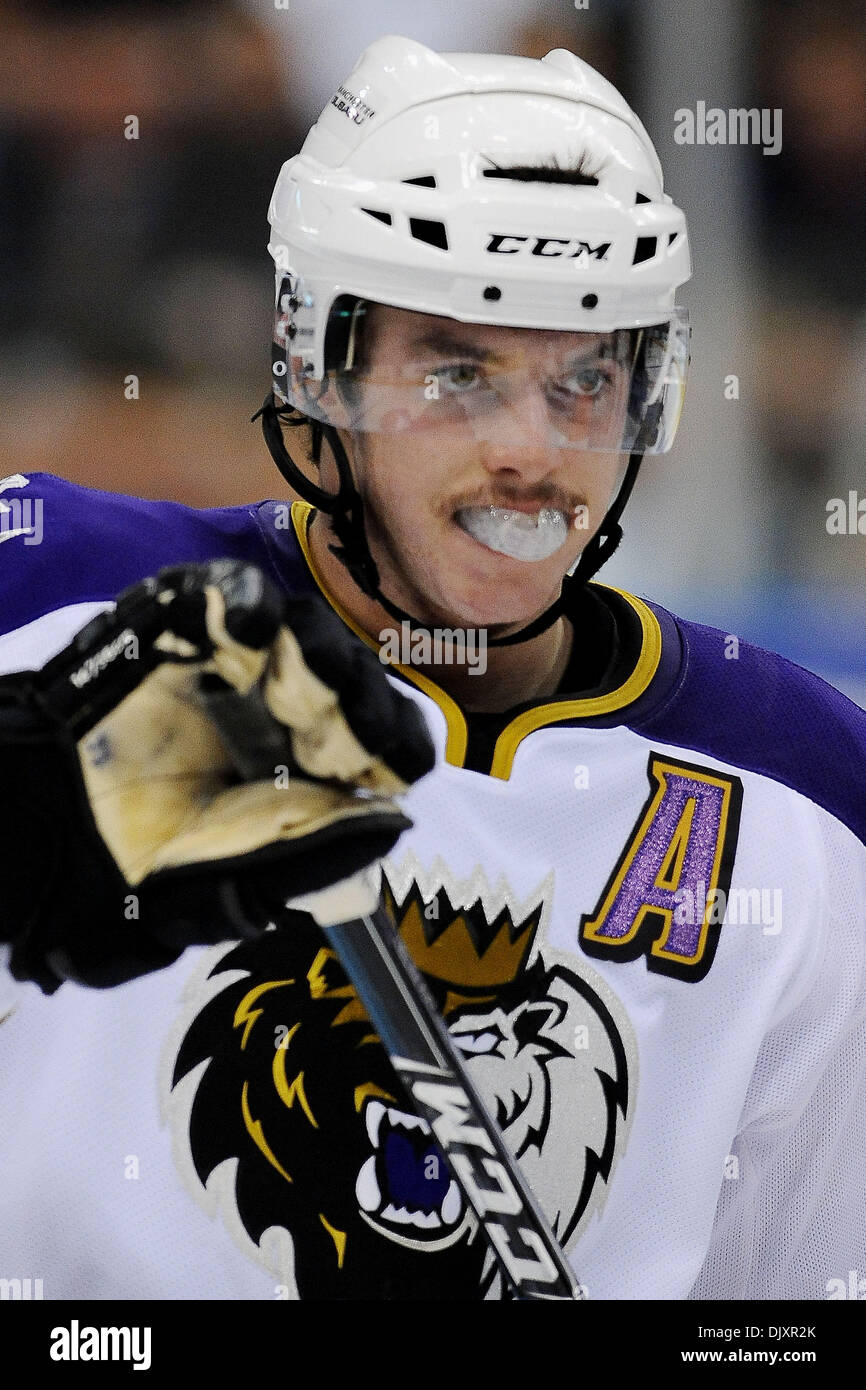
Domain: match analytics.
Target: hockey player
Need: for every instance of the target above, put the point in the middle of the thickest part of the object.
(634, 878)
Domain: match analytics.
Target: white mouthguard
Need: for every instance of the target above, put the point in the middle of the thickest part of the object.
(521, 535)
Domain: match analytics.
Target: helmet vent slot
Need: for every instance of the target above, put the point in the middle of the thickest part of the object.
(423, 181)
(642, 198)
(538, 173)
(645, 249)
(434, 233)
(379, 216)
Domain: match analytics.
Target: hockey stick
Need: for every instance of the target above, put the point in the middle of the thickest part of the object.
(422, 1053)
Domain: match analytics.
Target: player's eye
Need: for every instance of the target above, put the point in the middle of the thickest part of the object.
(583, 383)
(458, 378)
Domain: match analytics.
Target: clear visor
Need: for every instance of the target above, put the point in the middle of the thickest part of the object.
(392, 371)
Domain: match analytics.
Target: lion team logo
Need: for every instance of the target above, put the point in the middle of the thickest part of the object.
(333, 1183)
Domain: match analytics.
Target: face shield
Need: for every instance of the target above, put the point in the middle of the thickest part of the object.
(398, 372)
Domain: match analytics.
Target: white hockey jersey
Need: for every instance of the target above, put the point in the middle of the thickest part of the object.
(641, 908)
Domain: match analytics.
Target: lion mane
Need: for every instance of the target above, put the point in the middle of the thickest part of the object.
(292, 1060)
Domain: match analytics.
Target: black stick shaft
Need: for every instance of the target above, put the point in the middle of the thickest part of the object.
(421, 1050)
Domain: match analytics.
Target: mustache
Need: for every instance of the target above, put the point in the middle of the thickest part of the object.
(537, 497)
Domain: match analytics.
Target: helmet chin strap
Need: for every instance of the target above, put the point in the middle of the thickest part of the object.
(345, 508)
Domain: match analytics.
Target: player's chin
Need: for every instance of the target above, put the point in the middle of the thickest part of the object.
(497, 591)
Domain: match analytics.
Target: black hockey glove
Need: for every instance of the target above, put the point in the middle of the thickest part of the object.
(188, 763)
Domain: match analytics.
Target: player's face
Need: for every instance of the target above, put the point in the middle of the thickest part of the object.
(502, 418)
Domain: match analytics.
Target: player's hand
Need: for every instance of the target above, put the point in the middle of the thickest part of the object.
(131, 826)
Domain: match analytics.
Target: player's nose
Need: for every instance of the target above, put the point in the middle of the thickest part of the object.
(522, 439)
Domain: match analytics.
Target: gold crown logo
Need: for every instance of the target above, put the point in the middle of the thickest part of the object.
(459, 945)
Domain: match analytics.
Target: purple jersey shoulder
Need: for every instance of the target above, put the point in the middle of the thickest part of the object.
(761, 712)
(86, 545)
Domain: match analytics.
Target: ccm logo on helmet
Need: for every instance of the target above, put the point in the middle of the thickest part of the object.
(546, 246)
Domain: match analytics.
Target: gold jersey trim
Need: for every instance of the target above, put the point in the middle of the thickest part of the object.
(590, 707)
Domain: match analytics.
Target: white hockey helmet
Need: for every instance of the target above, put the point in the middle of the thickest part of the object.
(401, 196)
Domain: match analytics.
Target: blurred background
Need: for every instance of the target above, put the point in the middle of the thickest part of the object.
(146, 258)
